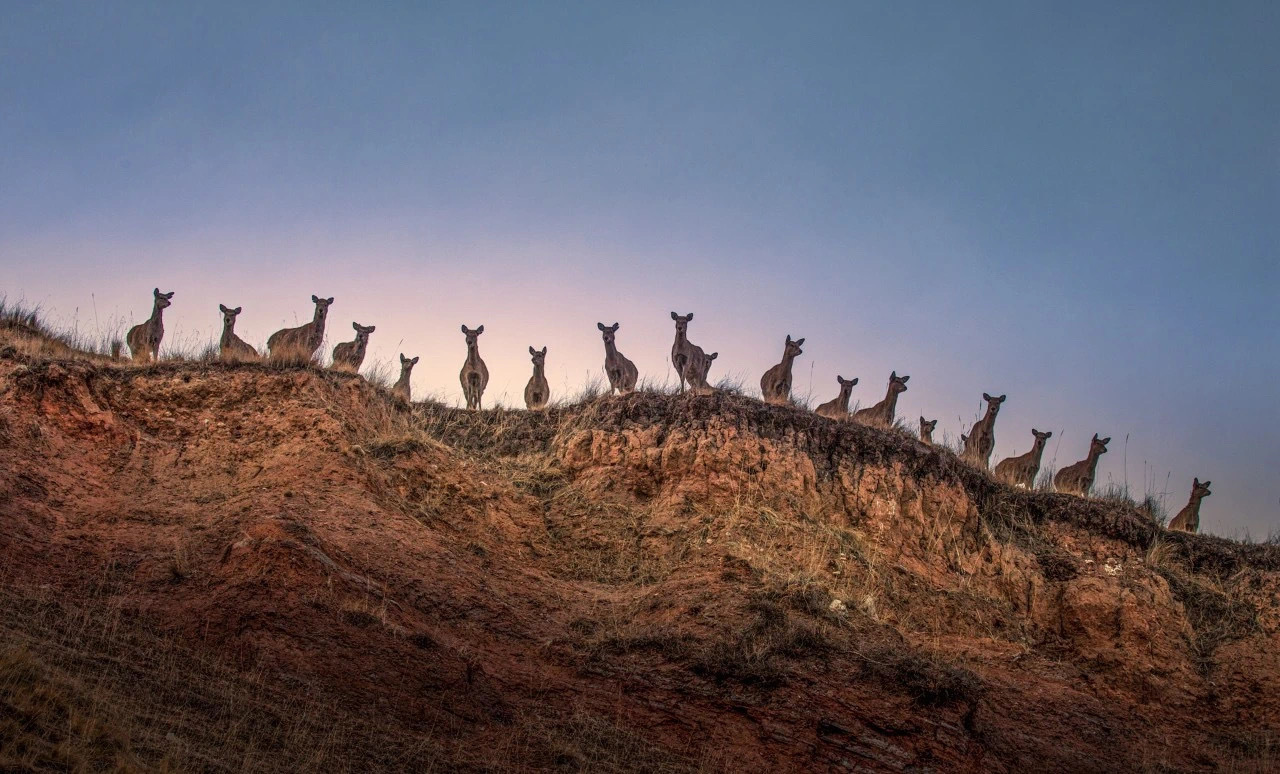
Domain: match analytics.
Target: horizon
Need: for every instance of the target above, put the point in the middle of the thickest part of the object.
(1076, 208)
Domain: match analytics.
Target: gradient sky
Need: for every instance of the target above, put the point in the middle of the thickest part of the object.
(1076, 204)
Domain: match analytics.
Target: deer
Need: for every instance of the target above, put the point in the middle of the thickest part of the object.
(684, 352)
(475, 374)
(1077, 478)
(1188, 519)
(304, 340)
(696, 372)
(401, 388)
(231, 346)
(1021, 470)
(926, 430)
(838, 407)
(537, 392)
(348, 355)
(622, 372)
(144, 338)
(775, 385)
(982, 436)
(883, 412)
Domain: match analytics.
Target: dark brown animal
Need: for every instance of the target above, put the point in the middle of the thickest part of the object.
(144, 338)
(1077, 478)
(1021, 470)
(883, 412)
(1188, 519)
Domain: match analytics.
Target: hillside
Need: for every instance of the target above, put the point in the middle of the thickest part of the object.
(246, 567)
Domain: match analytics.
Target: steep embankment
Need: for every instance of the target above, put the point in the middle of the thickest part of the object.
(644, 583)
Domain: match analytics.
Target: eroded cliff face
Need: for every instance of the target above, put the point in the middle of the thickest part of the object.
(730, 586)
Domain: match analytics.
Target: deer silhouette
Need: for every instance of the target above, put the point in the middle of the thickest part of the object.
(231, 346)
(302, 341)
(838, 407)
(1077, 478)
(1021, 470)
(884, 412)
(926, 430)
(775, 385)
(1188, 519)
(537, 392)
(622, 372)
(348, 355)
(982, 437)
(144, 338)
(475, 374)
(401, 387)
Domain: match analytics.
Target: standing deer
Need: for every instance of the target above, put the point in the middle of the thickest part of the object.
(838, 407)
(1077, 478)
(231, 346)
(144, 338)
(303, 341)
(1188, 519)
(697, 369)
(775, 385)
(475, 374)
(537, 392)
(348, 355)
(982, 437)
(401, 387)
(883, 412)
(1021, 470)
(926, 430)
(684, 352)
(622, 372)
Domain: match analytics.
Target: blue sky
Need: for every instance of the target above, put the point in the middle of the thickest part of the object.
(1074, 204)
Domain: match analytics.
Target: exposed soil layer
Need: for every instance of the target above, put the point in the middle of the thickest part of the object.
(650, 582)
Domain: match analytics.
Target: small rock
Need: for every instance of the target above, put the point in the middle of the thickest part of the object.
(838, 607)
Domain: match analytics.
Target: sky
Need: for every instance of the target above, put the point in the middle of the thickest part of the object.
(1074, 204)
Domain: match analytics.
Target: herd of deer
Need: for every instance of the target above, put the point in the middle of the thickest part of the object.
(691, 363)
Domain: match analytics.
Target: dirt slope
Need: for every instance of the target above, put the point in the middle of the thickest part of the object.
(648, 583)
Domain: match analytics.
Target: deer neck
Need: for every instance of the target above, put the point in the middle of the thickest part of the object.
(787, 360)
(845, 392)
(473, 354)
(1037, 450)
(228, 333)
(611, 348)
(890, 401)
(538, 371)
(1194, 504)
(1092, 461)
(403, 381)
(157, 313)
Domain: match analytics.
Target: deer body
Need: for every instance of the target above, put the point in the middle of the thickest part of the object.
(231, 346)
(1078, 477)
(685, 353)
(475, 374)
(926, 430)
(982, 438)
(1021, 470)
(883, 412)
(348, 355)
(697, 369)
(622, 372)
(401, 388)
(838, 407)
(144, 338)
(537, 392)
(1188, 519)
(775, 385)
(304, 340)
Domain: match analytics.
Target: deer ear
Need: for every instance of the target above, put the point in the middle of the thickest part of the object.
(355, 325)
(544, 351)
(788, 338)
(855, 381)
(1195, 482)
(155, 292)
(169, 294)
(600, 325)
(238, 308)
(222, 309)
(532, 351)
(689, 317)
(330, 300)
(315, 299)
(713, 356)
(403, 359)
(1206, 484)
(480, 329)
(616, 326)
(371, 329)
(904, 379)
(893, 374)
(799, 341)
(415, 360)
(674, 316)
(1106, 440)
(1002, 398)
(986, 397)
